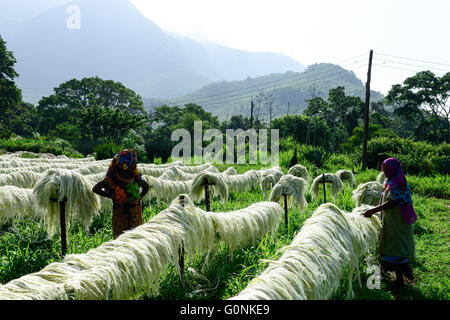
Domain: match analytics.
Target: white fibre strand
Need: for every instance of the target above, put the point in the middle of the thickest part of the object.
(348, 176)
(166, 190)
(381, 178)
(17, 203)
(299, 171)
(368, 193)
(22, 179)
(293, 187)
(336, 184)
(58, 184)
(312, 266)
(219, 188)
(247, 226)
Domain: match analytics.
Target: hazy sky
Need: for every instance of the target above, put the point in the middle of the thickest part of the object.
(321, 31)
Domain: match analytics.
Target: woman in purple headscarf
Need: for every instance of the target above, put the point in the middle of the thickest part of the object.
(396, 246)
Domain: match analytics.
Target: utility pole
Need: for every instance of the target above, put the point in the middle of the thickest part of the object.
(251, 114)
(288, 109)
(366, 114)
(269, 100)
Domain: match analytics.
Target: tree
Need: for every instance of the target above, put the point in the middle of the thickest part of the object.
(22, 119)
(269, 100)
(340, 112)
(375, 130)
(10, 95)
(165, 119)
(101, 110)
(423, 97)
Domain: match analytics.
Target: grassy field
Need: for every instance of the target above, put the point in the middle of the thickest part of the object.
(25, 246)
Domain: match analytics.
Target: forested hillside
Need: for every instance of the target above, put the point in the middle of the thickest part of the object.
(284, 93)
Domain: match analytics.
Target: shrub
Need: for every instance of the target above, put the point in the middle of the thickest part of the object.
(134, 140)
(106, 150)
(416, 157)
(28, 155)
(40, 145)
(316, 155)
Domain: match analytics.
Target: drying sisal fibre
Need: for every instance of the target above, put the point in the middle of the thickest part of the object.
(299, 171)
(292, 186)
(82, 204)
(336, 184)
(17, 203)
(348, 176)
(219, 187)
(312, 266)
(368, 193)
(381, 178)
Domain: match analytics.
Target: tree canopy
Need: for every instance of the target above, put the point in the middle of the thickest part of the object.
(91, 109)
(423, 97)
(10, 95)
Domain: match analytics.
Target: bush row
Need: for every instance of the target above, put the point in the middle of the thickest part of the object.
(40, 145)
(416, 157)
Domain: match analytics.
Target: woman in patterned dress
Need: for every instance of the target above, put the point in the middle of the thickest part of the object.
(396, 246)
(122, 184)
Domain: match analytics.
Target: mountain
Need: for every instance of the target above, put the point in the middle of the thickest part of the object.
(116, 42)
(22, 10)
(227, 98)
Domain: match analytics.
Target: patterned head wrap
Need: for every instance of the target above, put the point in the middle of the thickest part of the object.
(400, 191)
(123, 161)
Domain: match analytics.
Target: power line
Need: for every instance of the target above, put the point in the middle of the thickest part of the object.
(272, 81)
(349, 64)
(240, 92)
(295, 78)
(258, 86)
(412, 65)
(425, 61)
(398, 68)
(359, 55)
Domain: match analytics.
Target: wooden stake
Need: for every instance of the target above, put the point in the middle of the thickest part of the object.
(251, 114)
(324, 188)
(62, 224)
(181, 252)
(207, 198)
(207, 195)
(285, 210)
(62, 213)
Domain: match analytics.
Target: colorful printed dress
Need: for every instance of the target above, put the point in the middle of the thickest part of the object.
(127, 211)
(122, 184)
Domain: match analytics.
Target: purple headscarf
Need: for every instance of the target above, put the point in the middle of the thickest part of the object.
(400, 191)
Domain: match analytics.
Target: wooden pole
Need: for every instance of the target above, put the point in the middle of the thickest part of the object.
(324, 188)
(62, 213)
(207, 198)
(62, 223)
(181, 252)
(285, 210)
(207, 195)
(366, 113)
(251, 114)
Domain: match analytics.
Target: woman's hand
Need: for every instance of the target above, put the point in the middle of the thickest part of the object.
(369, 213)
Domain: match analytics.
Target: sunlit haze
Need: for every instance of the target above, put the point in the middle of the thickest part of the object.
(321, 31)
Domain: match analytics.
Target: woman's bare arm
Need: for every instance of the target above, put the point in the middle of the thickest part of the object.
(387, 205)
(98, 189)
(145, 188)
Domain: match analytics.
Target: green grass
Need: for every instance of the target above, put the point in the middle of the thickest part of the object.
(25, 246)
